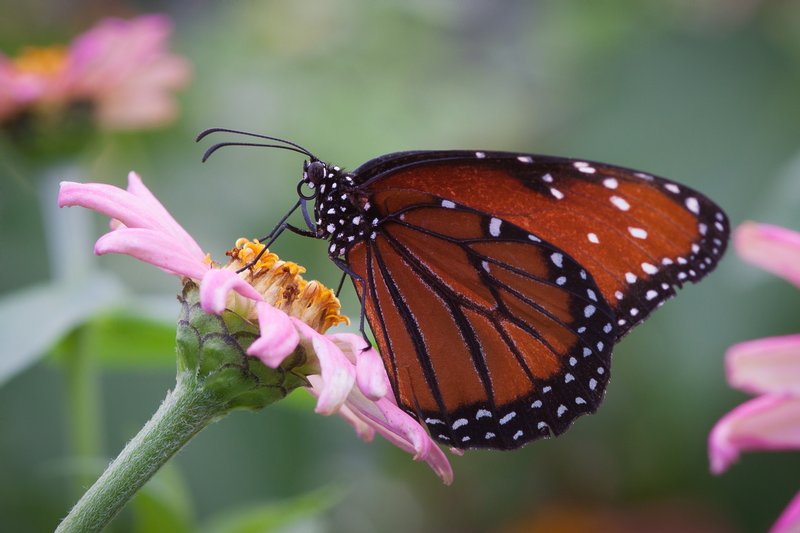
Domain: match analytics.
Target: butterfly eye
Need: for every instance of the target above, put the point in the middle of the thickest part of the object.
(315, 172)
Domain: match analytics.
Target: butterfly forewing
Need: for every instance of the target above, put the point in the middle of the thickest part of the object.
(490, 334)
(639, 236)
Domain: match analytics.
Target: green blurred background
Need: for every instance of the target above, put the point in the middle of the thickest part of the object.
(706, 92)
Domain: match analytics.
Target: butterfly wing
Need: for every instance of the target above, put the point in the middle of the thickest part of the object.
(639, 236)
(490, 335)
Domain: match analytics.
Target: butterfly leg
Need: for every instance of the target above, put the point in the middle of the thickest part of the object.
(349, 272)
(273, 236)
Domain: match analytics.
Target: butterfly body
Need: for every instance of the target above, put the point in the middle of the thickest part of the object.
(498, 283)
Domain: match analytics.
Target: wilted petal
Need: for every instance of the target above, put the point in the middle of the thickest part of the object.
(772, 248)
(277, 336)
(151, 247)
(370, 373)
(769, 365)
(769, 422)
(789, 521)
(215, 286)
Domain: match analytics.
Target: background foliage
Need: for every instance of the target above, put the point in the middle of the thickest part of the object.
(705, 92)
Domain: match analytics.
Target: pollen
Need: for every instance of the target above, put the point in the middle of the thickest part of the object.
(282, 285)
(43, 60)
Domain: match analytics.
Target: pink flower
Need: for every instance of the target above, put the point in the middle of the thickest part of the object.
(351, 380)
(769, 368)
(122, 67)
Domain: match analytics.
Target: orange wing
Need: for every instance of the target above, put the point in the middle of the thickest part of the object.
(491, 335)
(639, 236)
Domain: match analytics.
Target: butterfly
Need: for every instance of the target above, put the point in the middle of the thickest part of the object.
(497, 284)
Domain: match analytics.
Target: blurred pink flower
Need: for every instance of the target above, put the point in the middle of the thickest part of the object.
(769, 368)
(351, 380)
(121, 67)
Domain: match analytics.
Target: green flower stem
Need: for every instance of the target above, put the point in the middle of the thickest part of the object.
(83, 403)
(185, 411)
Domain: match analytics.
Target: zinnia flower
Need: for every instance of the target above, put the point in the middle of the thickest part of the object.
(769, 368)
(120, 67)
(351, 380)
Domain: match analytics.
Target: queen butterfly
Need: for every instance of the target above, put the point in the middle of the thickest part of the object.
(496, 284)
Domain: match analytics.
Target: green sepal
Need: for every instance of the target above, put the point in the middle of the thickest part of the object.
(213, 349)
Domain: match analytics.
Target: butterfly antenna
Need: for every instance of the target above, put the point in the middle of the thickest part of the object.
(217, 146)
(203, 134)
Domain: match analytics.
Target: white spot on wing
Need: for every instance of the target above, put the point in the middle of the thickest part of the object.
(693, 205)
(525, 159)
(639, 233)
(620, 203)
(494, 227)
(556, 193)
(482, 413)
(593, 238)
(610, 183)
(448, 204)
(557, 258)
(460, 422)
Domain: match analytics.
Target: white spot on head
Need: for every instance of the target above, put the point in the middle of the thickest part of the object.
(639, 233)
(331, 228)
(332, 248)
(593, 238)
(620, 203)
(494, 227)
(557, 259)
(610, 183)
(373, 235)
(356, 220)
(556, 193)
(693, 205)
(525, 159)
(589, 310)
(448, 204)
(649, 269)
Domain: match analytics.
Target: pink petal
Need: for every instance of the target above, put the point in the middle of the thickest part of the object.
(769, 422)
(337, 373)
(215, 286)
(137, 188)
(151, 247)
(773, 248)
(789, 521)
(371, 375)
(277, 338)
(765, 365)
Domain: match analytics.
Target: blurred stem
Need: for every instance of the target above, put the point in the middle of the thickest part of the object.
(185, 411)
(83, 405)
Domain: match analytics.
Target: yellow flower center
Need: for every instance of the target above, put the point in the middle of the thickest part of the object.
(41, 60)
(281, 284)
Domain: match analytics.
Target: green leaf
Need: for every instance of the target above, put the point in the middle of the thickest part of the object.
(33, 319)
(262, 518)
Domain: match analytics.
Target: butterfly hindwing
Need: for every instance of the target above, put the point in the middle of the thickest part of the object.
(491, 335)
